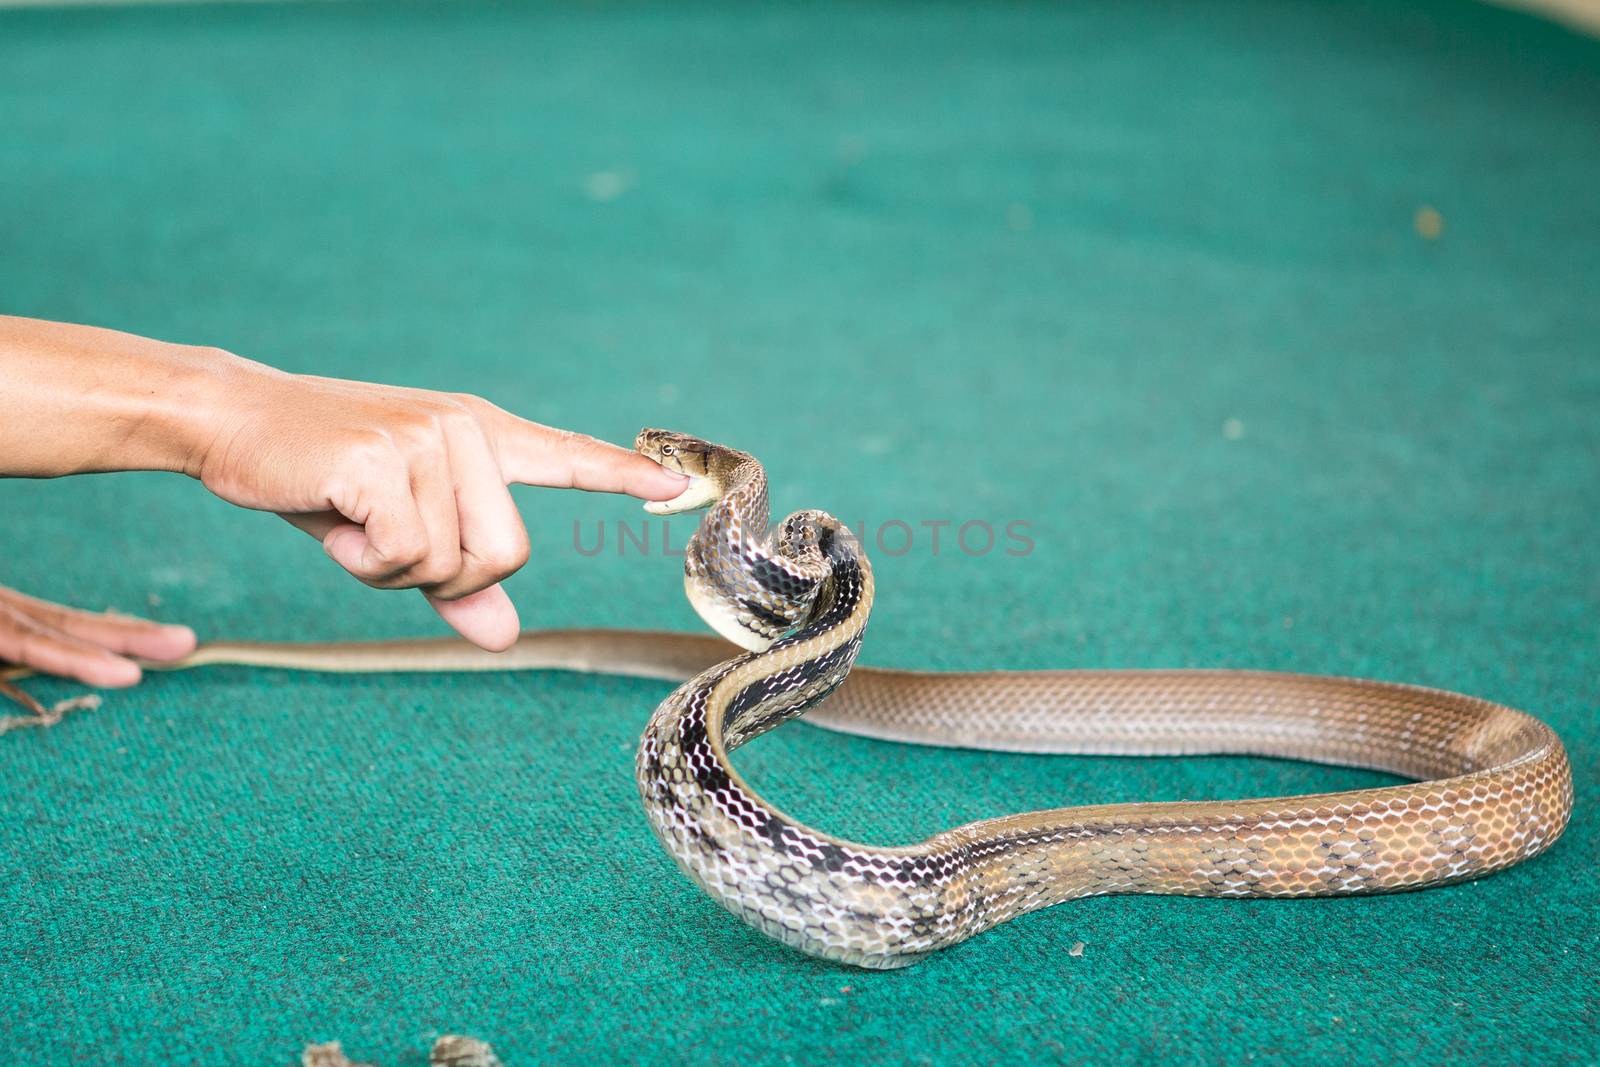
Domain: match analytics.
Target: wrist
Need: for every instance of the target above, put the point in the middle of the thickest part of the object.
(82, 399)
(196, 399)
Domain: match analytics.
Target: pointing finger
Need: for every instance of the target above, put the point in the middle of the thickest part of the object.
(539, 455)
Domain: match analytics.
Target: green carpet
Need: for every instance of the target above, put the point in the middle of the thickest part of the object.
(1149, 279)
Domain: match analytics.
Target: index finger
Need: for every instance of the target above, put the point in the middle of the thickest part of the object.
(531, 454)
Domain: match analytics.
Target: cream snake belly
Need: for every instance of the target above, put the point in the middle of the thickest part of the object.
(1492, 788)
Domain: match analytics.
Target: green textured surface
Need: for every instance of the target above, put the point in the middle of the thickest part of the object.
(1020, 264)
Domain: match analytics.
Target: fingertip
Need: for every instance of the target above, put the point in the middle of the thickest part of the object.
(182, 637)
(112, 672)
(496, 642)
(487, 618)
(655, 482)
(169, 642)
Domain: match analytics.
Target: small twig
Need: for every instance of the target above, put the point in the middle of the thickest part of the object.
(19, 696)
(41, 715)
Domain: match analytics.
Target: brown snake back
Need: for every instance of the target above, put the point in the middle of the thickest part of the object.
(1495, 788)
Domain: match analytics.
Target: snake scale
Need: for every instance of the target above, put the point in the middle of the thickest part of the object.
(1492, 785)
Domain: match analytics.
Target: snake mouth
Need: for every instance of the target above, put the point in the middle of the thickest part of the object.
(700, 492)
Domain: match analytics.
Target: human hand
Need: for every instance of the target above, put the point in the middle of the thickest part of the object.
(92, 648)
(406, 488)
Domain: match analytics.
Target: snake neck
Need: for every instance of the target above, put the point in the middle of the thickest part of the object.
(799, 671)
(731, 703)
(796, 593)
(749, 581)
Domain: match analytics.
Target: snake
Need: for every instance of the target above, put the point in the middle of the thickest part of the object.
(1487, 786)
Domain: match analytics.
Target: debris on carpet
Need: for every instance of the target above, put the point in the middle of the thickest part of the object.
(327, 1055)
(455, 1050)
(451, 1050)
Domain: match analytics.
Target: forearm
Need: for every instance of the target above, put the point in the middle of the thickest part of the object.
(80, 399)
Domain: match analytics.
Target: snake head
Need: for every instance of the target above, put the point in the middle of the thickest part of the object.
(685, 455)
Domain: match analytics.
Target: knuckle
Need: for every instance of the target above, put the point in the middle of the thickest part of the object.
(420, 432)
(378, 574)
(459, 418)
(465, 403)
(573, 441)
(503, 564)
(506, 557)
(338, 490)
(405, 549)
(369, 451)
(474, 406)
(436, 569)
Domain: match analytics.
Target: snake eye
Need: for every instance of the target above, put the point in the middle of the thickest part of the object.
(667, 450)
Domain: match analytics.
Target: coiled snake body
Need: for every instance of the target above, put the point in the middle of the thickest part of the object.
(1494, 784)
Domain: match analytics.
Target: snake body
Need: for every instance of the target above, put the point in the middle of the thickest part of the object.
(1493, 784)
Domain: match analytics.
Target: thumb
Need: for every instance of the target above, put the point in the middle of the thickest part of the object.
(487, 618)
